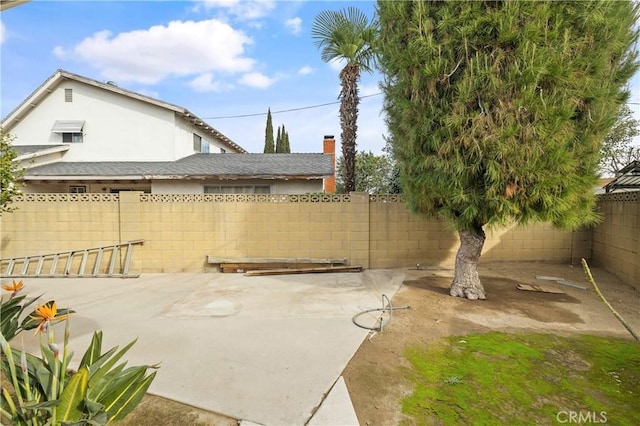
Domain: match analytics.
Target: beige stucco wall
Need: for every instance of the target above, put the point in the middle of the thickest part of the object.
(616, 241)
(181, 230)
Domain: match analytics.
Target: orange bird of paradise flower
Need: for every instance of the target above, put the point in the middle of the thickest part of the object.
(47, 314)
(14, 287)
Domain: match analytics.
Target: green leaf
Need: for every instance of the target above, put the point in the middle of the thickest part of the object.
(98, 389)
(93, 351)
(93, 407)
(44, 404)
(130, 396)
(72, 398)
(103, 364)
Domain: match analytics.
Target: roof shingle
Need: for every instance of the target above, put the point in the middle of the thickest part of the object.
(199, 165)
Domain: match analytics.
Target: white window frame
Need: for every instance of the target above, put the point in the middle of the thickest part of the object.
(77, 189)
(72, 137)
(197, 143)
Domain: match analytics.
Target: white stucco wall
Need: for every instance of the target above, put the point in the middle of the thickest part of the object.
(178, 186)
(117, 127)
(197, 186)
(93, 188)
(184, 132)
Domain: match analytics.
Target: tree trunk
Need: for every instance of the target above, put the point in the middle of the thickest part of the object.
(466, 281)
(349, 101)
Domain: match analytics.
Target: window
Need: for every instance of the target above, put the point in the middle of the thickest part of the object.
(115, 190)
(77, 189)
(68, 95)
(205, 146)
(197, 143)
(71, 130)
(72, 137)
(237, 189)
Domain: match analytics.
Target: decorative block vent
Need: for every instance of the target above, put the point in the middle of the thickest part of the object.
(244, 198)
(67, 197)
(617, 197)
(386, 198)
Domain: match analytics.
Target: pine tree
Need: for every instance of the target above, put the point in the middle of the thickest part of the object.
(280, 146)
(497, 110)
(268, 137)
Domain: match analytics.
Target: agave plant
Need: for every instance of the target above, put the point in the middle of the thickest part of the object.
(46, 392)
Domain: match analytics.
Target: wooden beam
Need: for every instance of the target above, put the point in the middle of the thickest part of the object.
(328, 269)
(244, 267)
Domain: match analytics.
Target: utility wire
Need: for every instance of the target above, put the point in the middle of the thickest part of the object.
(257, 114)
(284, 110)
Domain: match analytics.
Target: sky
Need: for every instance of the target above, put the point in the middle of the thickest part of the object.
(227, 61)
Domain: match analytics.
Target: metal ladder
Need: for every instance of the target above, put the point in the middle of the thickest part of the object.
(75, 263)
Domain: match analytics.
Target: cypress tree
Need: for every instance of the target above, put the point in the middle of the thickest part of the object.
(287, 147)
(268, 135)
(278, 141)
(281, 146)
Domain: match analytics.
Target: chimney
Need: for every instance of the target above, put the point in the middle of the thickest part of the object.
(329, 147)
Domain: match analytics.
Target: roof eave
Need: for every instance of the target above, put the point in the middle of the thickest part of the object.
(42, 153)
(28, 177)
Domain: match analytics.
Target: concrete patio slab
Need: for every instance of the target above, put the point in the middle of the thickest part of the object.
(336, 409)
(261, 349)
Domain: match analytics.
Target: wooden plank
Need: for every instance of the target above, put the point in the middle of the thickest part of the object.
(243, 267)
(213, 259)
(539, 289)
(320, 270)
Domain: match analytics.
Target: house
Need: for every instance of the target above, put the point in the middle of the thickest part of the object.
(75, 134)
(627, 179)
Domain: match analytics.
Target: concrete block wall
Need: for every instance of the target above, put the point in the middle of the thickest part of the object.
(181, 230)
(399, 238)
(616, 240)
(48, 223)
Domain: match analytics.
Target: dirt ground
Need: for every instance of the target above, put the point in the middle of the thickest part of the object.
(377, 375)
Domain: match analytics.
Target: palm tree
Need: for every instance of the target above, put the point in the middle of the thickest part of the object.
(347, 35)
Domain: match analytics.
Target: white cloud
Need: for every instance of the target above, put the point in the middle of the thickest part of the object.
(180, 48)
(257, 80)
(206, 83)
(368, 89)
(294, 25)
(306, 70)
(241, 9)
(3, 33)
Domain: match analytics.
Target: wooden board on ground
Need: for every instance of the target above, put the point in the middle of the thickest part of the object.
(540, 289)
(214, 260)
(244, 267)
(327, 269)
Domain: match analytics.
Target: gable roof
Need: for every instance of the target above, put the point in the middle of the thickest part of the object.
(59, 76)
(8, 4)
(197, 166)
(628, 178)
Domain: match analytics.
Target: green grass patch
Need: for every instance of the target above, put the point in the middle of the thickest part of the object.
(525, 379)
